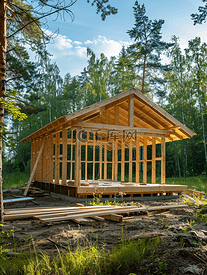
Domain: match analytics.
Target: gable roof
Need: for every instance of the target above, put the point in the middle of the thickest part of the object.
(146, 114)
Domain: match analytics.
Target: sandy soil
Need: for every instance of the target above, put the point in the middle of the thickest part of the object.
(178, 252)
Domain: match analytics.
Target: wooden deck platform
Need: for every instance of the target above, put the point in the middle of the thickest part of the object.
(110, 189)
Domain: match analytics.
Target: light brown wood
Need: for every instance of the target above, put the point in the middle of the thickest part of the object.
(57, 159)
(121, 128)
(71, 156)
(64, 158)
(115, 161)
(153, 160)
(114, 217)
(137, 158)
(163, 161)
(145, 160)
(77, 163)
(34, 169)
(130, 162)
(100, 163)
(112, 211)
(122, 162)
(131, 111)
(105, 161)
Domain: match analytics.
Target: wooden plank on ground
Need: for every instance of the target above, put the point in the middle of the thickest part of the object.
(114, 217)
(98, 218)
(112, 211)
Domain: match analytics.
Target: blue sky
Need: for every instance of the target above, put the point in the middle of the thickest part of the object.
(88, 30)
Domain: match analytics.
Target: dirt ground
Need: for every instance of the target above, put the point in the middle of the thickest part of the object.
(182, 250)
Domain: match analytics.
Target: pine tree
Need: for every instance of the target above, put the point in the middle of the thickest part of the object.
(147, 48)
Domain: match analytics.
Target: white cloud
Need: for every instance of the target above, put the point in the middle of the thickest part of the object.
(88, 42)
(107, 46)
(77, 43)
(71, 56)
(81, 51)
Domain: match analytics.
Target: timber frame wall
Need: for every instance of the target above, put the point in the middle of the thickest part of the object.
(107, 140)
(67, 158)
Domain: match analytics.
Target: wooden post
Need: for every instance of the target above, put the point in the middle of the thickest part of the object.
(100, 161)
(116, 114)
(162, 160)
(131, 111)
(77, 162)
(137, 158)
(94, 155)
(130, 162)
(71, 156)
(57, 153)
(64, 158)
(115, 161)
(32, 154)
(105, 161)
(43, 162)
(86, 163)
(145, 160)
(50, 160)
(122, 162)
(34, 169)
(153, 160)
(38, 146)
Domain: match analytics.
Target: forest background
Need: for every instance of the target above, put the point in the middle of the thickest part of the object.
(43, 95)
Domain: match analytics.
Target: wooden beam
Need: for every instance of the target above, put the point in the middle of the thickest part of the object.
(116, 114)
(137, 159)
(71, 156)
(94, 155)
(131, 111)
(163, 161)
(57, 158)
(122, 162)
(86, 162)
(121, 128)
(115, 161)
(34, 169)
(77, 163)
(105, 161)
(100, 161)
(130, 162)
(64, 159)
(153, 160)
(145, 160)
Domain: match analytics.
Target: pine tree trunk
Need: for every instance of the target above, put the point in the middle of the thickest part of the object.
(203, 124)
(144, 67)
(183, 119)
(2, 87)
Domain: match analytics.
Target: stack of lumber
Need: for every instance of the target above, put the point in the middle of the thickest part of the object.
(101, 213)
(34, 191)
(196, 193)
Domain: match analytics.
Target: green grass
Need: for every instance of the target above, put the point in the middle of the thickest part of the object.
(15, 180)
(123, 259)
(195, 183)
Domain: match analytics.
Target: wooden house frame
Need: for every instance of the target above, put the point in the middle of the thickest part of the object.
(124, 125)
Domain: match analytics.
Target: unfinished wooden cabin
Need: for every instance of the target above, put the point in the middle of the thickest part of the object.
(113, 147)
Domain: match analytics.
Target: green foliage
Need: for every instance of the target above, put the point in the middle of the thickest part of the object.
(16, 179)
(10, 105)
(122, 259)
(201, 217)
(200, 17)
(147, 48)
